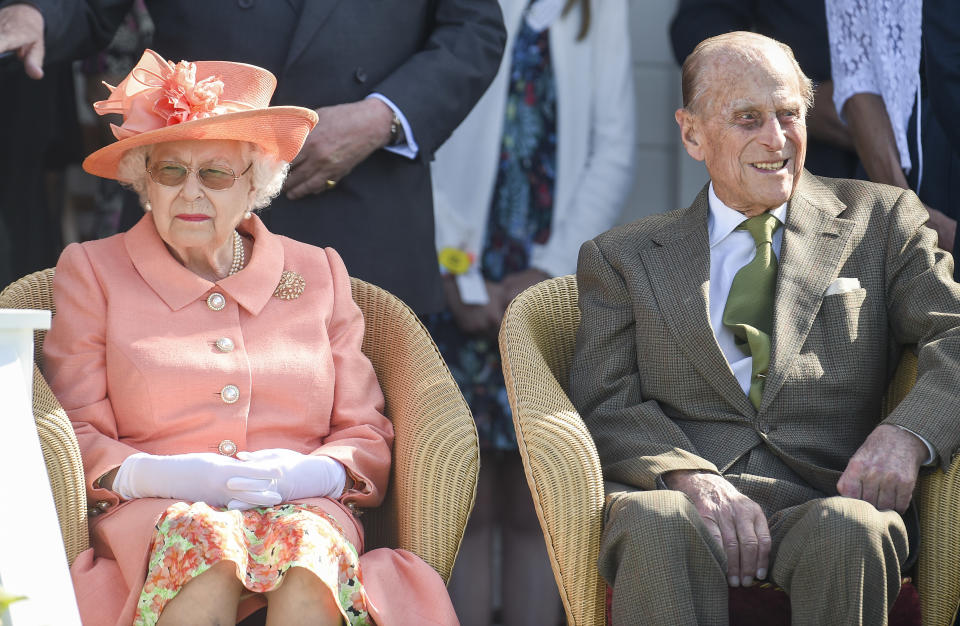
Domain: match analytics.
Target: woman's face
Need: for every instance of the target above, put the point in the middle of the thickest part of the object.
(189, 214)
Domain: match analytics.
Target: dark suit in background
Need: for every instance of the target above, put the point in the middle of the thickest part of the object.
(801, 24)
(432, 58)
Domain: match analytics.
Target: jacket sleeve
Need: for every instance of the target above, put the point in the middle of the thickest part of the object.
(604, 183)
(924, 308)
(75, 367)
(635, 440)
(360, 436)
(436, 87)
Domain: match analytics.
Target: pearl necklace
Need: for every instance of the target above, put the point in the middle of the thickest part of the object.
(239, 256)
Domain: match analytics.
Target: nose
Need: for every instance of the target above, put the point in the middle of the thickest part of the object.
(772, 135)
(190, 188)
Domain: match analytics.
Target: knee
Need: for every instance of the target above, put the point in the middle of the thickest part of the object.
(846, 525)
(640, 520)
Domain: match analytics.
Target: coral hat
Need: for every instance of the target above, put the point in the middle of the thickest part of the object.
(161, 102)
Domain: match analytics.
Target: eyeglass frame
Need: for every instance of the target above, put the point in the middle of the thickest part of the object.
(196, 171)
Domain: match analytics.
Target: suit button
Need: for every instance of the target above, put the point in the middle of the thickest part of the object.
(227, 448)
(764, 428)
(360, 75)
(244, 4)
(216, 301)
(230, 394)
(224, 344)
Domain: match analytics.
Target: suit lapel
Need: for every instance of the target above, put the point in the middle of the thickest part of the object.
(813, 251)
(314, 13)
(678, 267)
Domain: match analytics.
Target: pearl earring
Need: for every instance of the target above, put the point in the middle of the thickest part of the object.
(247, 215)
(147, 207)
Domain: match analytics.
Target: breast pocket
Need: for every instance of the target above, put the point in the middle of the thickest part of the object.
(840, 314)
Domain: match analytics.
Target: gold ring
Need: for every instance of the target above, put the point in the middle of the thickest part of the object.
(331, 183)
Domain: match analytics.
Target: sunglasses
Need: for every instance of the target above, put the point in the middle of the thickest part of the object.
(172, 174)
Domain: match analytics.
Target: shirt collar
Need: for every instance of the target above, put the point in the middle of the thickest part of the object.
(177, 286)
(723, 220)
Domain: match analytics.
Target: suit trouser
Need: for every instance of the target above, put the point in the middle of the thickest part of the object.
(837, 558)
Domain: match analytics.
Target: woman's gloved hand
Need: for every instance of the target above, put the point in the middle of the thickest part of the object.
(198, 477)
(301, 475)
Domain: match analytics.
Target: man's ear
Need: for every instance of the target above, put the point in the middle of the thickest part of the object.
(690, 133)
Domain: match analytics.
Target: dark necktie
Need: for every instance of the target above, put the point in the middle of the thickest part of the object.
(749, 309)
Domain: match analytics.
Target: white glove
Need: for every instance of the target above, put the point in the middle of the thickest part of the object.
(198, 477)
(301, 475)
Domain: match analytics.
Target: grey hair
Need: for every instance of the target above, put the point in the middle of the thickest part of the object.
(267, 172)
(745, 46)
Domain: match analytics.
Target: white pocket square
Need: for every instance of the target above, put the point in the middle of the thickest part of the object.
(842, 285)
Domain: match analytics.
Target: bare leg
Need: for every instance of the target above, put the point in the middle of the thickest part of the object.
(471, 588)
(209, 599)
(302, 599)
(530, 593)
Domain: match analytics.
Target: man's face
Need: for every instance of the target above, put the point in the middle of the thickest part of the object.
(749, 131)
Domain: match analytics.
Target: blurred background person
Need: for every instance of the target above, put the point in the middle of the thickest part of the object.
(802, 25)
(896, 67)
(543, 162)
(388, 85)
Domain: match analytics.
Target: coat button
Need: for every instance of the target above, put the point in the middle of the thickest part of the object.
(227, 448)
(764, 427)
(216, 301)
(230, 394)
(360, 75)
(225, 344)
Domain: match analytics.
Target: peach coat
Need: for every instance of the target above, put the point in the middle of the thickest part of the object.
(132, 357)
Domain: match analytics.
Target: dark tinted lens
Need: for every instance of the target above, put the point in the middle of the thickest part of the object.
(168, 173)
(216, 177)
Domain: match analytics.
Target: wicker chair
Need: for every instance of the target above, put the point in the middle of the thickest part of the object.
(435, 458)
(563, 470)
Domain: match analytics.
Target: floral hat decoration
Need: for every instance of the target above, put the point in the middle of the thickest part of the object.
(162, 101)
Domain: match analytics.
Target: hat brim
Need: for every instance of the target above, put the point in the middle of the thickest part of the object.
(280, 130)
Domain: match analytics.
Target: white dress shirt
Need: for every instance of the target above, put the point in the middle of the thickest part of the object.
(731, 249)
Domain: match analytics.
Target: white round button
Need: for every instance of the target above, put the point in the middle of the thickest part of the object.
(216, 301)
(225, 344)
(227, 448)
(230, 394)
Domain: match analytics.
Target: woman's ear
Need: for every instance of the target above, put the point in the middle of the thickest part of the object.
(690, 133)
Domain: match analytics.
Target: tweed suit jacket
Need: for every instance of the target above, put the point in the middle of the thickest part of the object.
(657, 394)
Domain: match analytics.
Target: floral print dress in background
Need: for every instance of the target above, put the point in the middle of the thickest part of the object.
(263, 543)
(520, 215)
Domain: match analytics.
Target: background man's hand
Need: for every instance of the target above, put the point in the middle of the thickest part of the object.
(515, 283)
(735, 521)
(884, 469)
(21, 29)
(475, 318)
(345, 135)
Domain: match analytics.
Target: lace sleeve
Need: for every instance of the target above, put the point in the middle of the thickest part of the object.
(875, 48)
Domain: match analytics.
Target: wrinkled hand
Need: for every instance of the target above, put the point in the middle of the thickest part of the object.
(736, 522)
(300, 475)
(21, 29)
(514, 284)
(883, 471)
(475, 318)
(198, 477)
(345, 135)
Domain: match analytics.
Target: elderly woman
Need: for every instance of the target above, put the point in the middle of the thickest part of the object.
(227, 418)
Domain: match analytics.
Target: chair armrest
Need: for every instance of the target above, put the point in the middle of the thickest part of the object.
(560, 460)
(61, 454)
(436, 454)
(938, 566)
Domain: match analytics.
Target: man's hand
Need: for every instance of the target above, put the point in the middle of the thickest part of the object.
(475, 318)
(345, 135)
(21, 29)
(515, 283)
(945, 226)
(735, 521)
(884, 469)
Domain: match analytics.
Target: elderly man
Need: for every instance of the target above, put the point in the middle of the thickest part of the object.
(732, 357)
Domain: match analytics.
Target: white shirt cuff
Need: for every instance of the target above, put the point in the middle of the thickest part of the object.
(408, 149)
(931, 455)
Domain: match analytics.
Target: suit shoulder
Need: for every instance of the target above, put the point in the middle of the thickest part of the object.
(853, 192)
(640, 233)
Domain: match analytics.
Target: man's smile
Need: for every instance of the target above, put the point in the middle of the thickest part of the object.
(770, 166)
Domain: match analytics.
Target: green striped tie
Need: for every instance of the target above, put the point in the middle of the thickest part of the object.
(749, 309)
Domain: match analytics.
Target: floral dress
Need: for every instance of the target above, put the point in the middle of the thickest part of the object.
(263, 543)
(520, 215)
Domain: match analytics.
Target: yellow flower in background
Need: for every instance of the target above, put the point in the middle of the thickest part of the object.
(454, 260)
(6, 599)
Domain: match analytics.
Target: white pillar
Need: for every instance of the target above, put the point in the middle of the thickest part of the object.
(32, 559)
